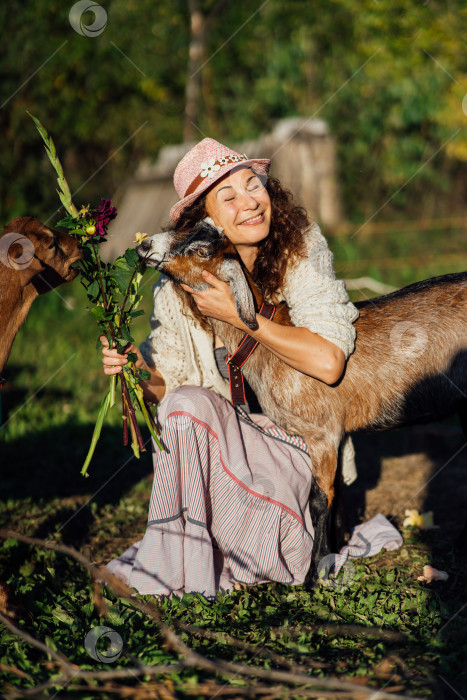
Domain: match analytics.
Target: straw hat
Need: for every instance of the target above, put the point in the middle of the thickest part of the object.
(205, 164)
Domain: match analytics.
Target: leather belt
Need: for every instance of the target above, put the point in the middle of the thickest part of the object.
(236, 361)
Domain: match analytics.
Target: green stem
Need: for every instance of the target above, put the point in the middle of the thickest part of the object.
(113, 385)
(97, 431)
(97, 257)
(132, 413)
(150, 422)
(129, 287)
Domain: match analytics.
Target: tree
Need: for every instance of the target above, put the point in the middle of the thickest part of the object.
(389, 76)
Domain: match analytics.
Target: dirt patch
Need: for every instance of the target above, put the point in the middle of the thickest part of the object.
(424, 467)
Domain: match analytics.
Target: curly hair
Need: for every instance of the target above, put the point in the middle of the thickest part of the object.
(284, 241)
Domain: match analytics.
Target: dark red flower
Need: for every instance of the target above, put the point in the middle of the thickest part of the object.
(103, 215)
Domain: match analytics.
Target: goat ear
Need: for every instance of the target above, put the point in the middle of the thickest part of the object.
(231, 272)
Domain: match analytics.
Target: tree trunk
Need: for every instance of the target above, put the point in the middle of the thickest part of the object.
(193, 83)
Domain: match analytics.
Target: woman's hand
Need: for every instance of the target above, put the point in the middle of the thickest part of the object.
(217, 301)
(299, 347)
(153, 388)
(113, 361)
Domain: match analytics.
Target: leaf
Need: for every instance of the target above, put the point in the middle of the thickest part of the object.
(93, 289)
(50, 643)
(135, 314)
(114, 618)
(97, 431)
(67, 222)
(126, 334)
(120, 264)
(62, 616)
(144, 375)
(98, 312)
(122, 279)
(132, 257)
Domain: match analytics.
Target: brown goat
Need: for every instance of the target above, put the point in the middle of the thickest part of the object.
(409, 364)
(33, 260)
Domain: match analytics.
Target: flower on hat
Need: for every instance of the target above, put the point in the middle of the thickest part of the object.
(208, 169)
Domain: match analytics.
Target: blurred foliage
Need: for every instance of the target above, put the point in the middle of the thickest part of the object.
(388, 75)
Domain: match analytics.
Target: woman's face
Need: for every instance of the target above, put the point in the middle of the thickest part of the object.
(241, 204)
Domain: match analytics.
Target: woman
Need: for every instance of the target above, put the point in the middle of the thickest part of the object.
(229, 499)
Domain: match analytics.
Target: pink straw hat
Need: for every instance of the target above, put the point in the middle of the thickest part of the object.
(205, 164)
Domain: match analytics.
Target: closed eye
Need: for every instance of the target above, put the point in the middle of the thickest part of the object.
(254, 183)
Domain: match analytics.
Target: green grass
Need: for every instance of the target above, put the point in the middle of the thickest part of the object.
(400, 258)
(53, 390)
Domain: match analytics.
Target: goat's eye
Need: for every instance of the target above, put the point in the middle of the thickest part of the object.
(202, 253)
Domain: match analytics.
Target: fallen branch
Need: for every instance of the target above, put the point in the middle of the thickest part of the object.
(67, 666)
(215, 690)
(190, 658)
(225, 638)
(344, 631)
(5, 668)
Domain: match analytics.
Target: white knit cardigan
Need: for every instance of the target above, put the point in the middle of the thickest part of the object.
(184, 353)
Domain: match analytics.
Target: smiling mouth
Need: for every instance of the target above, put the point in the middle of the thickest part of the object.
(258, 219)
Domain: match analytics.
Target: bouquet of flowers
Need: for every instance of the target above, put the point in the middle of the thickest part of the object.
(112, 289)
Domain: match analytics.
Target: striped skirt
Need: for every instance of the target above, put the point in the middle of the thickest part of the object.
(229, 502)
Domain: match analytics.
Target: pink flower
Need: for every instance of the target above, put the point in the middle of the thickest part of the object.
(103, 215)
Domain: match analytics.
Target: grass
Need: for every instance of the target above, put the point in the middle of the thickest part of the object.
(400, 258)
(53, 390)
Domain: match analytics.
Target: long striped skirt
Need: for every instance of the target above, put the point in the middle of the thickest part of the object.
(229, 502)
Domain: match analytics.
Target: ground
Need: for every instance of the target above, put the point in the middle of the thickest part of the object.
(50, 400)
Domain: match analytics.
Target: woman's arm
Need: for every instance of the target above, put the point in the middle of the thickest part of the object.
(300, 348)
(322, 335)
